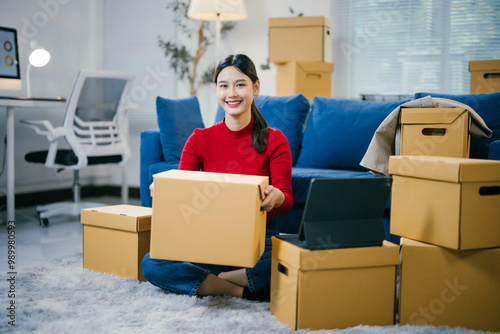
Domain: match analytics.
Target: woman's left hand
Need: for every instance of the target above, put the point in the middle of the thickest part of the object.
(274, 198)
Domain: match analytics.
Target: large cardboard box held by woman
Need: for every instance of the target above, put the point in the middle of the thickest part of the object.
(208, 217)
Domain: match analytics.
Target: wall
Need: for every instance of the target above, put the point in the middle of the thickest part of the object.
(120, 35)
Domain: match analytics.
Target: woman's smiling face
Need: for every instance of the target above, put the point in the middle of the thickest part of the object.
(235, 91)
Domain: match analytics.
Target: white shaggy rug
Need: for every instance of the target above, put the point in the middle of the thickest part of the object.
(62, 297)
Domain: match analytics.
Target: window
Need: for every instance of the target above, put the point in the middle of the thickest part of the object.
(403, 47)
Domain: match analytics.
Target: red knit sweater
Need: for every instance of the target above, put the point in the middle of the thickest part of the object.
(218, 149)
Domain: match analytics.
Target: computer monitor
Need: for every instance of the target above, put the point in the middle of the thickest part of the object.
(10, 73)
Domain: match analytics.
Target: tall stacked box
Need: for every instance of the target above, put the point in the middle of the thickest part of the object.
(435, 132)
(208, 217)
(300, 38)
(333, 288)
(450, 202)
(444, 287)
(115, 239)
(301, 47)
(484, 76)
(309, 78)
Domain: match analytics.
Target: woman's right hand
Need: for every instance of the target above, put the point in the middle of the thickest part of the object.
(152, 188)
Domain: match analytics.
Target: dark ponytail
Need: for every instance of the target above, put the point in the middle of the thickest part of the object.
(247, 67)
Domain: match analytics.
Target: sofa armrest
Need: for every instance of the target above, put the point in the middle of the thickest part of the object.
(151, 153)
(494, 150)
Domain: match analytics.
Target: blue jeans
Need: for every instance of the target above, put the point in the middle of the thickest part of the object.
(186, 277)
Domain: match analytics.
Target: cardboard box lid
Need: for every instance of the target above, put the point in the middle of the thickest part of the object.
(430, 115)
(299, 21)
(410, 242)
(315, 66)
(221, 178)
(119, 217)
(339, 258)
(484, 65)
(445, 168)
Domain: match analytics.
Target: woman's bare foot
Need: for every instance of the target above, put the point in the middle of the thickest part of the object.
(238, 277)
(216, 286)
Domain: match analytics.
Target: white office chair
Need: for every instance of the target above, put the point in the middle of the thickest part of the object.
(92, 129)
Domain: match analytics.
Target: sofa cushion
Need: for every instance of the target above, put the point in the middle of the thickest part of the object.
(285, 113)
(487, 105)
(494, 150)
(177, 119)
(339, 131)
(158, 167)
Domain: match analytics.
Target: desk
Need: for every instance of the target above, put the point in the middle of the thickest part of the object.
(10, 103)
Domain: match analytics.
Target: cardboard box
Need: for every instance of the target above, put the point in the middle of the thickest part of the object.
(116, 238)
(484, 76)
(333, 288)
(208, 217)
(309, 78)
(443, 287)
(450, 202)
(300, 38)
(435, 132)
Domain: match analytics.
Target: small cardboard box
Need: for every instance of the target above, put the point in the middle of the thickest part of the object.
(435, 132)
(300, 38)
(333, 288)
(116, 238)
(450, 202)
(484, 76)
(309, 78)
(443, 287)
(208, 217)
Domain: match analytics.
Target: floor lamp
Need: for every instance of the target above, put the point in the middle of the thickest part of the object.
(39, 57)
(218, 11)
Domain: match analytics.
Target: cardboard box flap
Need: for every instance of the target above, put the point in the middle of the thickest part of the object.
(119, 217)
(315, 66)
(445, 168)
(300, 21)
(216, 177)
(430, 115)
(339, 258)
(221, 178)
(411, 242)
(484, 65)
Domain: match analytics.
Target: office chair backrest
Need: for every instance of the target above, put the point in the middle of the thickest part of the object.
(95, 113)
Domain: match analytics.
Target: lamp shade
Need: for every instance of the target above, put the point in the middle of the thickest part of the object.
(213, 10)
(39, 57)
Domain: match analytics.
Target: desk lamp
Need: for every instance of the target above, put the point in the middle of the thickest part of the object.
(217, 10)
(39, 57)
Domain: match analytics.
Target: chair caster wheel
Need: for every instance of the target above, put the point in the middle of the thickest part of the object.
(42, 221)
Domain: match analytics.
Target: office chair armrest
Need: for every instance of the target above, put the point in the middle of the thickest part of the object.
(45, 128)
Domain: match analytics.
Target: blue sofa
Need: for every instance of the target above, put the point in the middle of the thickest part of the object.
(327, 138)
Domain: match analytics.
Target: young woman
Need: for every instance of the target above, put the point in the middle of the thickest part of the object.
(241, 144)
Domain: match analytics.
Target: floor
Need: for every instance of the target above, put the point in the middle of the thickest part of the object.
(35, 244)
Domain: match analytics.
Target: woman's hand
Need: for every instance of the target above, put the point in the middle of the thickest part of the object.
(274, 198)
(152, 188)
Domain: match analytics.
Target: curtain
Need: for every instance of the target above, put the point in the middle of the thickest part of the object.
(390, 47)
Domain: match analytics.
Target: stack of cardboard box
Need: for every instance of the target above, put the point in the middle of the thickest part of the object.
(301, 47)
(116, 238)
(435, 132)
(448, 212)
(484, 76)
(333, 288)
